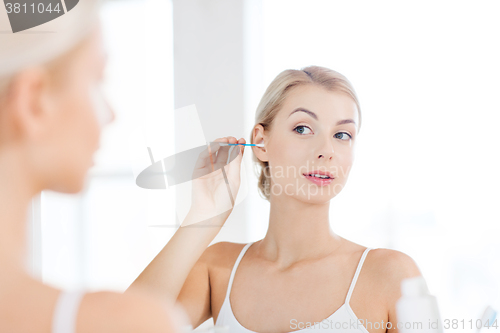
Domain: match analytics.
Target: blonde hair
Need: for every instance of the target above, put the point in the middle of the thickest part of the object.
(275, 95)
(56, 68)
(21, 51)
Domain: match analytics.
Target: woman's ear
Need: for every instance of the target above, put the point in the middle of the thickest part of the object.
(27, 104)
(258, 136)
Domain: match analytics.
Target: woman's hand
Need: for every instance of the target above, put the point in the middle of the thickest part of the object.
(211, 195)
(169, 272)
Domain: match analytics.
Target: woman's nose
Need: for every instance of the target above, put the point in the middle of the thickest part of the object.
(102, 108)
(109, 111)
(112, 113)
(326, 149)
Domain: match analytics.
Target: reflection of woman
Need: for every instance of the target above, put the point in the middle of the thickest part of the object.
(48, 134)
(301, 272)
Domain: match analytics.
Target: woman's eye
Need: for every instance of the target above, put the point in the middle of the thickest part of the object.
(348, 136)
(300, 129)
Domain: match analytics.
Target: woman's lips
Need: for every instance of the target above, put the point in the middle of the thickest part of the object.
(319, 181)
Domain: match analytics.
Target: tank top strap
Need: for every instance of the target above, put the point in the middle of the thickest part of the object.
(66, 310)
(233, 271)
(355, 278)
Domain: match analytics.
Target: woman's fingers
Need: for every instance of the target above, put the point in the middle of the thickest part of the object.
(232, 140)
(213, 149)
(235, 166)
(242, 140)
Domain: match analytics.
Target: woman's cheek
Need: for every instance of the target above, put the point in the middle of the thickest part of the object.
(346, 166)
(92, 118)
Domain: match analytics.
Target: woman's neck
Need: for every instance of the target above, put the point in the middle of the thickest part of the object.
(16, 191)
(298, 231)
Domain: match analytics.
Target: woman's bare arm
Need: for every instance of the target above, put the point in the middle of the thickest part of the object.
(180, 260)
(181, 265)
(132, 312)
(395, 266)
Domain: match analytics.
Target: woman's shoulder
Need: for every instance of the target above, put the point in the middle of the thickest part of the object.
(393, 263)
(387, 268)
(133, 311)
(222, 253)
(383, 261)
(226, 246)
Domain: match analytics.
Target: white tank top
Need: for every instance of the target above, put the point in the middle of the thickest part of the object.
(66, 310)
(342, 320)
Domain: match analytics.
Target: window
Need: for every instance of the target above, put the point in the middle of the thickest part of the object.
(100, 238)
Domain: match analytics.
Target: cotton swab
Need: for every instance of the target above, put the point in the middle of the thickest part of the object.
(241, 144)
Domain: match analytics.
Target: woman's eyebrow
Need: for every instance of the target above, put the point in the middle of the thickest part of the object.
(312, 114)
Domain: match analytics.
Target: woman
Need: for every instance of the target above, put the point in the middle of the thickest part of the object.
(301, 272)
(51, 112)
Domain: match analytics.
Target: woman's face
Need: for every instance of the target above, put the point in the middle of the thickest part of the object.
(79, 112)
(315, 130)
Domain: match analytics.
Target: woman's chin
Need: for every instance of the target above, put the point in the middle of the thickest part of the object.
(67, 188)
(317, 199)
(75, 186)
(72, 184)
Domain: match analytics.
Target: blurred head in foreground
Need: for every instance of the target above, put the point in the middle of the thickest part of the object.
(51, 104)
